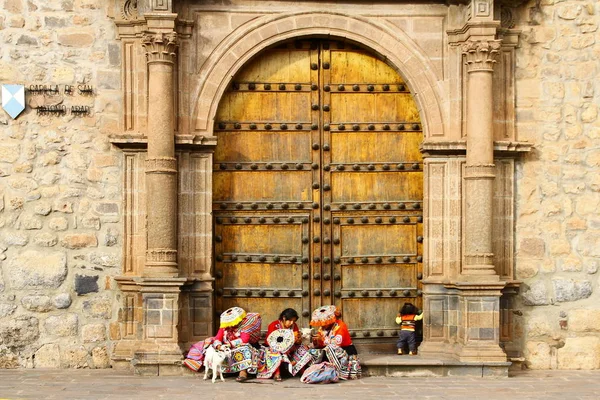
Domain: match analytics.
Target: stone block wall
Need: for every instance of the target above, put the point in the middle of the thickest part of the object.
(558, 184)
(60, 186)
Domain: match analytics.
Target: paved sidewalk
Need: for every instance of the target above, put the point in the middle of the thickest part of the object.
(109, 384)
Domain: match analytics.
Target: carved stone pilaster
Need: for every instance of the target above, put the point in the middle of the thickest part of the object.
(481, 55)
(160, 47)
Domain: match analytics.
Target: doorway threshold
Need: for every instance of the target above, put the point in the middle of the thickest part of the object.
(393, 365)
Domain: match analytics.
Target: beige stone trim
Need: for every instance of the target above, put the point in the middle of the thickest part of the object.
(442, 196)
(195, 229)
(481, 171)
(430, 148)
(161, 256)
(165, 165)
(479, 259)
(160, 47)
(243, 44)
(481, 55)
(503, 218)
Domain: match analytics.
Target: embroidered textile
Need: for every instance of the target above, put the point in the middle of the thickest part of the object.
(198, 349)
(192, 364)
(299, 358)
(242, 358)
(281, 340)
(268, 363)
(323, 316)
(347, 367)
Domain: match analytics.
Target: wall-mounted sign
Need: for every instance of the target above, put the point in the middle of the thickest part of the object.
(56, 100)
(13, 99)
(55, 90)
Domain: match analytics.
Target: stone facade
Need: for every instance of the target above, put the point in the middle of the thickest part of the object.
(61, 187)
(557, 228)
(83, 283)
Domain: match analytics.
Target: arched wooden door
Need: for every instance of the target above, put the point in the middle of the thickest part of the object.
(318, 187)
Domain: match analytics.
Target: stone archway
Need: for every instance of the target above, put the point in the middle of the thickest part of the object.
(247, 41)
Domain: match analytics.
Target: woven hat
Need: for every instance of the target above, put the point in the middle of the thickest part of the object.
(324, 316)
(281, 340)
(232, 317)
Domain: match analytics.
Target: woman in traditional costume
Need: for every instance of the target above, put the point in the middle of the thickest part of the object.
(238, 330)
(284, 344)
(333, 343)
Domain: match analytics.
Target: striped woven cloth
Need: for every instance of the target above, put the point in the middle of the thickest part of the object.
(251, 325)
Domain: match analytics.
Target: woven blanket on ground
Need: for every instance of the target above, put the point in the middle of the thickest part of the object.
(320, 373)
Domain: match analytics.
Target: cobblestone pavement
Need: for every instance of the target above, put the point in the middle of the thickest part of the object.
(109, 384)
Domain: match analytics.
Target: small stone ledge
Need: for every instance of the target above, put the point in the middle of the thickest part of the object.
(459, 147)
(138, 140)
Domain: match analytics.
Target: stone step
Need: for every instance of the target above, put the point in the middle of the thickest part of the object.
(393, 365)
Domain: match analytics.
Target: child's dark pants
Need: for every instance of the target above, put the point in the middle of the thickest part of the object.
(407, 337)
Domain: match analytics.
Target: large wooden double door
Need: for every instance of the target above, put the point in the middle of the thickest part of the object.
(318, 187)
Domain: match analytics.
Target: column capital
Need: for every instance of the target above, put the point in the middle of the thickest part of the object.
(481, 55)
(160, 46)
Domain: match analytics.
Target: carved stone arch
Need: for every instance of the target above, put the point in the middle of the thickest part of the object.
(247, 41)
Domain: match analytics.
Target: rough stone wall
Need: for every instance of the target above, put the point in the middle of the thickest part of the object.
(60, 186)
(558, 185)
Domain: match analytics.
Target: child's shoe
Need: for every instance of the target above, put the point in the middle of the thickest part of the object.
(400, 352)
(412, 353)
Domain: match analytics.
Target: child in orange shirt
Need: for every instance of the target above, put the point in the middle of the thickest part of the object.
(407, 317)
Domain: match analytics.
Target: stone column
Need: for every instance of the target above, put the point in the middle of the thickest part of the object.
(479, 170)
(479, 287)
(161, 166)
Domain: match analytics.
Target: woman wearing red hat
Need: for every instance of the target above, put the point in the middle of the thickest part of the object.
(333, 338)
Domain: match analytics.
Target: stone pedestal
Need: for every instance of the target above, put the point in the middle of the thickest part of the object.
(148, 326)
(479, 322)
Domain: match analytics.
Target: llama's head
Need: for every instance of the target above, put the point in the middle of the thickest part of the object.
(306, 333)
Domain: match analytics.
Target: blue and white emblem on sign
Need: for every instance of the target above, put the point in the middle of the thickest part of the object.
(13, 99)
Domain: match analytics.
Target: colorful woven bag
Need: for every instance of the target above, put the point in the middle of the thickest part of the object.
(320, 373)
